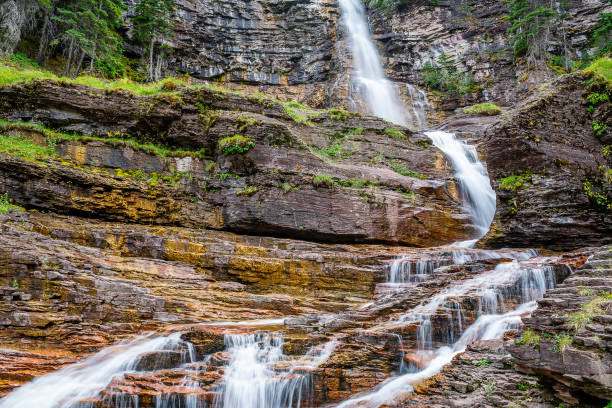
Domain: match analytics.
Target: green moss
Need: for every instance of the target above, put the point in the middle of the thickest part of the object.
(602, 68)
(513, 182)
(210, 167)
(247, 191)
(236, 144)
(288, 188)
(484, 363)
(333, 151)
(339, 114)
(395, 134)
(6, 204)
(486, 108)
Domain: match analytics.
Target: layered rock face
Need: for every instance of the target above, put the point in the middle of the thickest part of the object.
(550, 168)
(328, 176)
(568, 339)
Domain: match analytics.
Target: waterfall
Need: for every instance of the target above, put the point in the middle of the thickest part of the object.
(474, 183)
(380, 94)
(496, 291)
(69, 386)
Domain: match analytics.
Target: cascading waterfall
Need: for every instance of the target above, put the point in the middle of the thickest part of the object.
(69, 386)
(250, 380)
(253, 380)
(379, 92)
(473, 179)
(507, 283)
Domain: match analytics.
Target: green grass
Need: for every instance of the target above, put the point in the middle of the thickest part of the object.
(323, 180)
(340, 114)
(395, 134)
(6, 204)
(486, 108)
(236, 144)
(583, 317)
(529, 338)
(561, 342)
(513, 182)
(53, 137)
(602, 67)
(400, 168)
(17, 145)
(288, 188)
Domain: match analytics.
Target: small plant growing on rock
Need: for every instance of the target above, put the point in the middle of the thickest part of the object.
(513, 182)
(247, 191)
(395, 134)
(561, 342)
(6, 204)
(486, 108)
(339, 114)
(236, 144)
(288, 188)
(323, 180)
(484, 363)
(529, 338)
(399, 167)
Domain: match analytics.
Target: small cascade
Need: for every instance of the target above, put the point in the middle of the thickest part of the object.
(420, 106)
(504, 294)
(474, 183)
(259, 375)
(408, 270)
(379, 92)
(250, 379)
(70, 386)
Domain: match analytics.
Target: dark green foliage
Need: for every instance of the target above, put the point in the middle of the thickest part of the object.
(88, 29)
(602, 34)
(152, 25)
(444, 76)
(236, 144)
(528, 20)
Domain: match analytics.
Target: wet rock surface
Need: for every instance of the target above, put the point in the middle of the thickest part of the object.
(547, 164)
(572, 334)
(330, 179)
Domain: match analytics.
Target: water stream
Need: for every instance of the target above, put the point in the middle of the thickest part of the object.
(378, 91)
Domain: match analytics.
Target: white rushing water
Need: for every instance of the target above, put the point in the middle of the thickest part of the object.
(256, 378)
(379, 92)
(497, 290)
(474, 183)
(68, 386)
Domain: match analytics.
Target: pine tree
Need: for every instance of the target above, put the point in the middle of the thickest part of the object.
(89, 29)
(152, 27)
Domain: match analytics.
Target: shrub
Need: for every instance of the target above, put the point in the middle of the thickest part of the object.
(602, 67)
(513, 182)
(323, 180)
(444, 76)
(6, 204)
(236, 144)
(486, 108)
(529, 338)
(339, 114)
